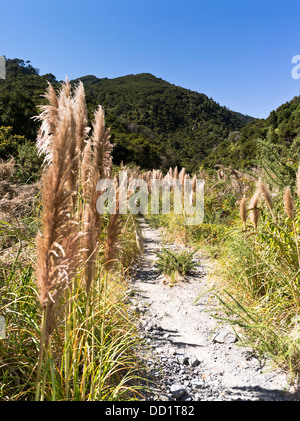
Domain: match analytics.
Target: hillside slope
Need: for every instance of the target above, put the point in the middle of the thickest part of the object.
(281, 131)
(157, 124)
(154, 123)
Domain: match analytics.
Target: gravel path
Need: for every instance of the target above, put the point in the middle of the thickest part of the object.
(188, 355)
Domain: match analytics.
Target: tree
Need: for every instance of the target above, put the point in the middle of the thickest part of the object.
(17, 110)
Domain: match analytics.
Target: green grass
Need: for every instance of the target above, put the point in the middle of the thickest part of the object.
(92, 354)
(256, 276)
(93, 351)
(173, 263)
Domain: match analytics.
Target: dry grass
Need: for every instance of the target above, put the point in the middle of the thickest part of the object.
(7, 169)
(111, 246)
(254, 209)
(57, 245)
(243, 211)
(288, 203)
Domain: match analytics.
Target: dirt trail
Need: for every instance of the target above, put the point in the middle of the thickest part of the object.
(192, 357)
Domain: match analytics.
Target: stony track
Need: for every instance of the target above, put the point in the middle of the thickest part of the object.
(188, 355)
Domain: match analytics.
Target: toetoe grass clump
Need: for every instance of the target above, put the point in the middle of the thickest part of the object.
(68, 332)
(176, 265)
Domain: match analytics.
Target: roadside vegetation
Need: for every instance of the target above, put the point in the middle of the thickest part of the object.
(251, 234)
(64, 268)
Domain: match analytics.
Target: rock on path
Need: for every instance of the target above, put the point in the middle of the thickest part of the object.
(186, 353)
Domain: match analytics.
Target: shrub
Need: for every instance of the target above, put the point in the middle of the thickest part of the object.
(171, 263)
(9, 142)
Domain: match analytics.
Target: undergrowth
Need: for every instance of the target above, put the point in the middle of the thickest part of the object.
(175, 263)
(255, 253)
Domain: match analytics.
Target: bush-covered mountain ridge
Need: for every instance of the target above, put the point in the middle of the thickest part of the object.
(279, 132)
(154, 123)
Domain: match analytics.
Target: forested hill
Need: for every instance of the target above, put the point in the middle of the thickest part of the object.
(154, 123)
(269, 139)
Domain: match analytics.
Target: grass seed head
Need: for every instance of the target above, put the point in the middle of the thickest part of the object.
(288, 203)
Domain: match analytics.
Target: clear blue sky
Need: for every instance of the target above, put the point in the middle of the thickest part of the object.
(238, 52)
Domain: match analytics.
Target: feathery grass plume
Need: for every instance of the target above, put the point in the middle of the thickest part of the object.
(91, 228)
(264, 189)
(101, 144)
(81, 118)
(64, 94)
(194, 183)
(288, 203)
(110, 168)
(111, 247)
(175, 174)
(91, 218)
(90, 245)
(254, 210)
(48, 117)
(81, 130)
(96, 165)
(85, 170)
(182, 176)
(243, 211)
(57, 246)
(298, 182)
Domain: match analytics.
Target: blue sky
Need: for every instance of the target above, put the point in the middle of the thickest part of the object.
(239, 52)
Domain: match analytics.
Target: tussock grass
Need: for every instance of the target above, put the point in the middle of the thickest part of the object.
(251, 232)
(69, 336)
(91, 354)
(259, 291)
(175, 264)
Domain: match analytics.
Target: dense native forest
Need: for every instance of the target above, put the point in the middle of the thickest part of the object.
(74, 337)
(154, 124)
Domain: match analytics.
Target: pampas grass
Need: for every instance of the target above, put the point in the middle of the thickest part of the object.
(243, 211)
(48, 118)
(181, 176)
(101, 144)
(265, 192)
(111, 246)
(96, 165)
(254, 210)
(288, 203)
(57, 245)
(289, 208)
(85, 346)
(81, 118)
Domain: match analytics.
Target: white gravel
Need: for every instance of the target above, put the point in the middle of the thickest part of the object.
(188, 354)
